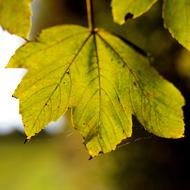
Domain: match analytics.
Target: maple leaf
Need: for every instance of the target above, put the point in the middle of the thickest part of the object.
(15, 16)
(104, 80)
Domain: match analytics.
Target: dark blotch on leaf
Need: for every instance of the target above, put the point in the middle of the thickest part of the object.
(135, 84)
(128, 16)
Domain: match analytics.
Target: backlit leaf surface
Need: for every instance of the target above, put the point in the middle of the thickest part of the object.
(104, 80)
(15, 16)
(120, 8)
(177, 19)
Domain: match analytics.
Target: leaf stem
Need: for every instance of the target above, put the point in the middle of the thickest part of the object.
(90, 14)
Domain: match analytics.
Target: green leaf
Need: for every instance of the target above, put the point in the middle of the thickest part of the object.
(104, 80)
(120, 9)
(176, 16)
(155, 102)
(15, 16)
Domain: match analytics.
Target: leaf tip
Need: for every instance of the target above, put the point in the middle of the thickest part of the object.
(26, 140)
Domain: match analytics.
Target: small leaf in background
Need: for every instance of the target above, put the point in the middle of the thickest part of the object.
(131, 8)
(15, 16)
(104, 80)
(176, 16)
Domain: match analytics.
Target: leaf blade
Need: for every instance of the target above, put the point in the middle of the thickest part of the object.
(99, 115)
(104, 80)
(16, 17)
(136, 8)
(45, 91)
(150, 94)
(176, 16)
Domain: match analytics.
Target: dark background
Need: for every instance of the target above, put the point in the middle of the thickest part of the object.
(60, 162)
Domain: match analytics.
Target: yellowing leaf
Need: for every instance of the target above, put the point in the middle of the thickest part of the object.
(15, 16)
(155, 102)
(120, 9)
(104, 80)
(45, 91)
(176, 15)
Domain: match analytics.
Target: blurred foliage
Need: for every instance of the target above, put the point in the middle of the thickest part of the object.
(51, 163)
(61, 162)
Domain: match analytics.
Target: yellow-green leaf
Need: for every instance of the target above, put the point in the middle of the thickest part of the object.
(15, 16)
(44, 92)
(176, 14)
(104, 80)
(120, 9)
(155, 102)
(99, 115)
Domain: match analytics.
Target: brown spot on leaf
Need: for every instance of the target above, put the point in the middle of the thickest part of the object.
(128, 16)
